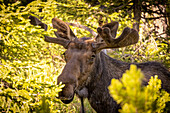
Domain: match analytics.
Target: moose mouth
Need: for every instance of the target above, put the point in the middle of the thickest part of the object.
(67, 100)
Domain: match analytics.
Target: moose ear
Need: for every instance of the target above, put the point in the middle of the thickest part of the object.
(63, 29)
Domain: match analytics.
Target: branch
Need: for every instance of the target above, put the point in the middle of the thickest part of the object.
(153, 17)
(119, 7)
(83, 27)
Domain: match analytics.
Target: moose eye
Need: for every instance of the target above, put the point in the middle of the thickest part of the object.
(64, 56)
(93, 56)
(91, 60)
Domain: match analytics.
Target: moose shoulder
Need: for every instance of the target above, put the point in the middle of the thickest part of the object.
(88, 70)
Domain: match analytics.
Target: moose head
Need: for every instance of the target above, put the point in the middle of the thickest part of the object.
(82, 54)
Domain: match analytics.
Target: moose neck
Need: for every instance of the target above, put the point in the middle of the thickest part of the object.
(104, 70)
(107, 68)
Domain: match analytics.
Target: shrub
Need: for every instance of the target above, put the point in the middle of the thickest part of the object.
(29, 67)
(135, 98)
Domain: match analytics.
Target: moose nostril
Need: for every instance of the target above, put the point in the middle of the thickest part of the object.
(61, 94)
(66, 78)
(60, 79)
(99, 29)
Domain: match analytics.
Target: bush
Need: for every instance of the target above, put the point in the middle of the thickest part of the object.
(29, 66)
(135, 98)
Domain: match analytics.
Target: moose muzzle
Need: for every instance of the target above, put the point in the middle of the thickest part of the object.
(67, 93)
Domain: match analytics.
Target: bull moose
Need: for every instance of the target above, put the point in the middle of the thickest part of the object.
(88, 70)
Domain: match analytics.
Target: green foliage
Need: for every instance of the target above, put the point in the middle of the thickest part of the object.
(135, 98)
(29, 66)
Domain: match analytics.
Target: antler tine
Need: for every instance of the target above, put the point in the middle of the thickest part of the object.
(63, 29)
(128, 37)
(113, 26)
(35, 21)
(60, 41)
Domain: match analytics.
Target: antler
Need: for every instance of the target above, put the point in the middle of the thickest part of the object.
(60, 40)
(113, 26)
(108, 33)
(35, 21)
(63, 29)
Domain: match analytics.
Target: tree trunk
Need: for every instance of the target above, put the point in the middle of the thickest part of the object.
(137, 14)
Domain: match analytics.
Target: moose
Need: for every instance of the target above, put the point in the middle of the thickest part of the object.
(88, 70)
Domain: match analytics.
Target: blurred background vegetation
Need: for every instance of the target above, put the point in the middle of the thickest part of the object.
(29, 67)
